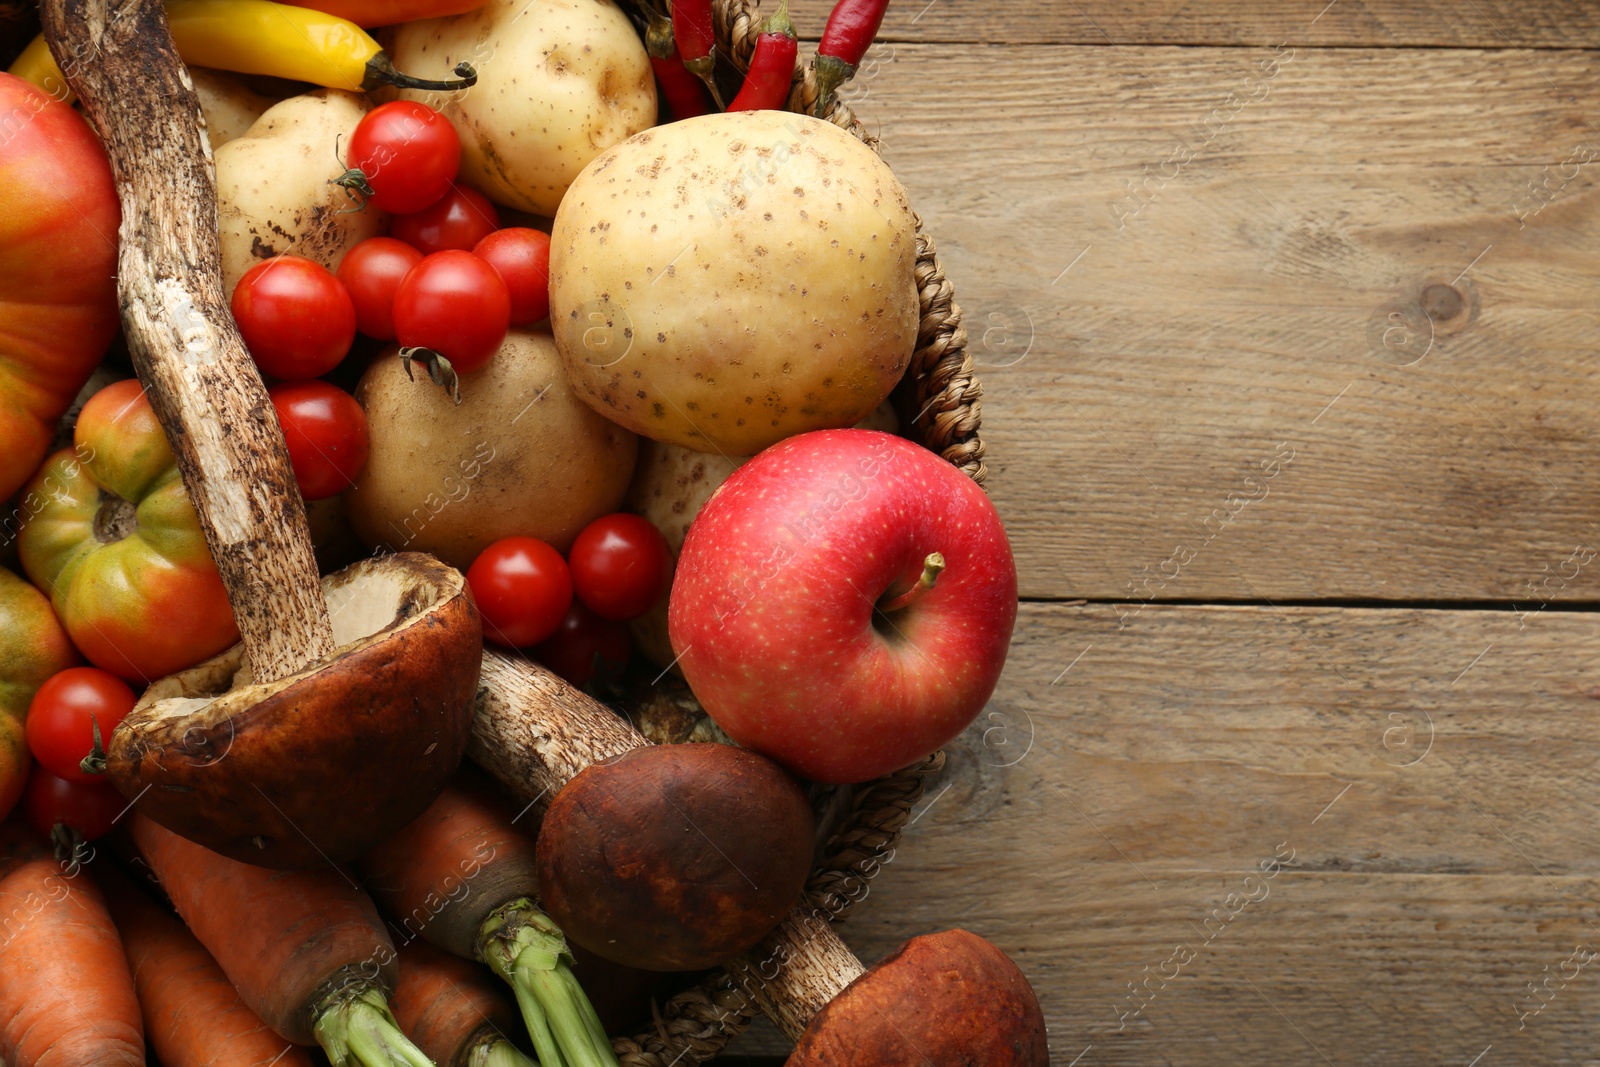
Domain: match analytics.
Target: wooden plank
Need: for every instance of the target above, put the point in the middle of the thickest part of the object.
(1367, 23)
(1427, 778)
(1168, 286)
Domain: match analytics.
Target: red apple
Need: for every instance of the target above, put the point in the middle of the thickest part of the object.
(803, 615)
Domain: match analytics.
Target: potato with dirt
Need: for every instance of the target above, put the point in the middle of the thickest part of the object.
(519, 455)
(559, 82)
(229, 105)
(727, 281)
(273, 191)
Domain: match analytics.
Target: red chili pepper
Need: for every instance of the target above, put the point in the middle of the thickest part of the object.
(697, 40)
(684, 93)
(766, 86)
(850, 31)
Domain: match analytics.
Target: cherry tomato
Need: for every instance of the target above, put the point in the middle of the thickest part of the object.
(371, 273)
(621, 566)
(460, 219)
(523, 590)
(455, 304)
(326, 432)
(297, 319)
(91, 808)
(522, 256)
(407, 153)
(61, 719)
(584, 646)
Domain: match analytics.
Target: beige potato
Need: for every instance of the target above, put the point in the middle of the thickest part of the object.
(670, 486)
(727, 281)
(559, 81)
(272, 185)
(229, 105)
(519, 455)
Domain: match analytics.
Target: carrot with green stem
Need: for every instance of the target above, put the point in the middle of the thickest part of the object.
(66, 997)
(462, 878)
(454, 1010)
(305, 949)
(192, 1014)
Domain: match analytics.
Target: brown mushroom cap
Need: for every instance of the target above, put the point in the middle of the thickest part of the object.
(318, 766)
(675, 857)
(942, 1000)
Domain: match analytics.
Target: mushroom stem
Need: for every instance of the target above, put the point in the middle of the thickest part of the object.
(534, 733)
(932, 567)
(185, 346)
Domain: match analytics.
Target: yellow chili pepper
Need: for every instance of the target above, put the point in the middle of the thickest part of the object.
(260, 37)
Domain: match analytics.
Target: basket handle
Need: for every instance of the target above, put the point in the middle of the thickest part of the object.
(118, 56)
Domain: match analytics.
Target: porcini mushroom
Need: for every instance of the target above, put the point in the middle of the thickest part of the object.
(322, 732)
(535, 733)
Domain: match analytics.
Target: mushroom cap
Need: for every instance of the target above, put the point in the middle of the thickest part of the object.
(943, 1000)
(321, 765)
(675, 857)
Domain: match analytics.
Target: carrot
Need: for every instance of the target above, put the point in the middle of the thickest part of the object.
(462, 878)
(454, 1010)
(66, 998)
(192, 1014)
(305, 949)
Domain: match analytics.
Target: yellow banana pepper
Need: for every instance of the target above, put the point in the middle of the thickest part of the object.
(260, 37)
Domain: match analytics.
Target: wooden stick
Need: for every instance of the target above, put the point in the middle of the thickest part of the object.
(119, 58)
(534, 733)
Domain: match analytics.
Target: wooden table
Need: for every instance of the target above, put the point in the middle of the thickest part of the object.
(1287, 315)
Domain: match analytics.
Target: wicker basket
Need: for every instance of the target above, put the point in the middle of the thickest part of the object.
(938, 404)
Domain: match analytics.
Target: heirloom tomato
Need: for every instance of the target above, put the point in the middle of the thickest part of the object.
(58, 264)
(33, 647)
(112, 535)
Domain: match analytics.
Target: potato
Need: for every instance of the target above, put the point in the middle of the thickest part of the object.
(519, 455)
(727, 281)
(670, 486)
(272, 185)
(229, 106)
(559, 81)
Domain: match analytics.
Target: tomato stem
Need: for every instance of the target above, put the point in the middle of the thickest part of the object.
(440, 372)
(95, 761)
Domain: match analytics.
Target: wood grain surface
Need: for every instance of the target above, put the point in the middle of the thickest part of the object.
(1287, 318)
(1421, 778)
(1178, 264)
(1366, 23)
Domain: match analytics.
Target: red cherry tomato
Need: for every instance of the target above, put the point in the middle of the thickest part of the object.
(91, 808)
(408, 155)
(326, 432)
(296, 318)
(522, 256)
(455, 304)
(621, 566)
(584, 646)
(522, 589)
(63, 714)
(372, 272)
(460, 219)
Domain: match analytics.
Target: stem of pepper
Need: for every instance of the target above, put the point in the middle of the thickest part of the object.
(381, 71)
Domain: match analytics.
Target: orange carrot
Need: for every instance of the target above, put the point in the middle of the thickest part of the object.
(462, 878)
(454, 1010)
(192, 1013)
(305, 949)
(66, 998)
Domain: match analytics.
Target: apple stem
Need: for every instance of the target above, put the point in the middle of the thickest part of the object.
(931, 568)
